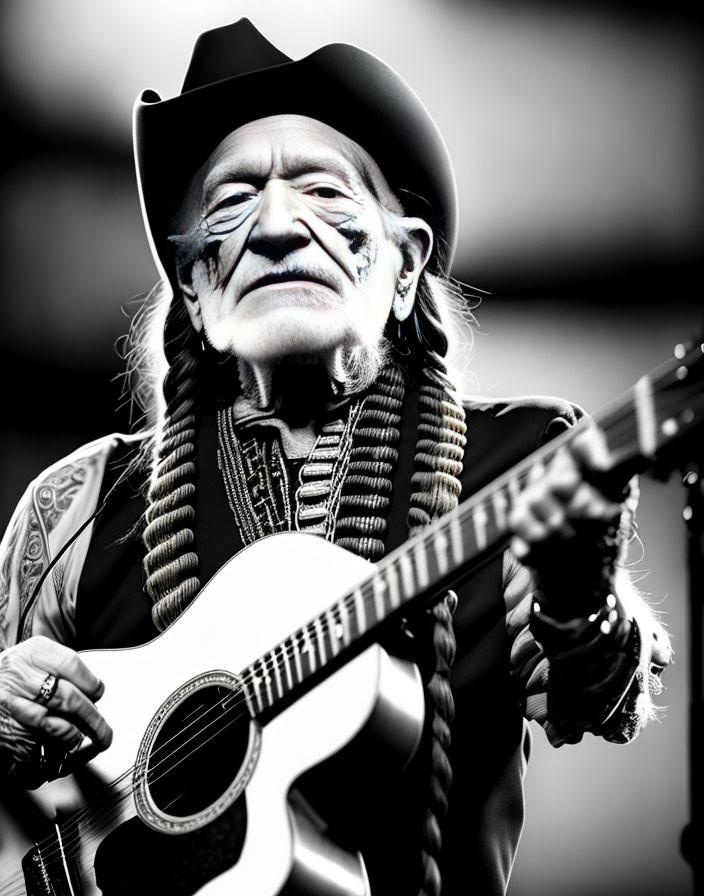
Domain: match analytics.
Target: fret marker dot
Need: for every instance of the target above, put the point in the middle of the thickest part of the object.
(682, 372)
(680, 351)
(669, 427)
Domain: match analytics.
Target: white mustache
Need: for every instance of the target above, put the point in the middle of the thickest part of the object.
(312, 273)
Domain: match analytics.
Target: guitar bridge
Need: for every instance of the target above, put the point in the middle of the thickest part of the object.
(49, 871)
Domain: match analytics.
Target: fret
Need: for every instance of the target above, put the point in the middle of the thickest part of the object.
(440, 543)
(248, 699)
(277, 674)
(308, 650)
(480, 520)
(345, 622)
(334, 632)
(320, 640)
(646, 425)
(406, 568)
(287, 666)
(514, 488)
(421, 565)
(379, 587)
(360, 611)
(257, 690)
(500, 504)
(537, 470)
(266, 677)
(392, 582)
(297, 657)
(456, 539)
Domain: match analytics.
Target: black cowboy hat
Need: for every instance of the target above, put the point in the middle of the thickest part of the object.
(236, 76)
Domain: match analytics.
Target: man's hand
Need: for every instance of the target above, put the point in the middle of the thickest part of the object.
(560, 503)
(47, 702)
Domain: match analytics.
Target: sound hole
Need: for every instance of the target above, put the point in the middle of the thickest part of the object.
(198, 751)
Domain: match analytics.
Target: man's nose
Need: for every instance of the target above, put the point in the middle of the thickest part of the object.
(278, 228)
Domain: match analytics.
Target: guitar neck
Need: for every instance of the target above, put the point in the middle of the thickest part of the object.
(658, 411)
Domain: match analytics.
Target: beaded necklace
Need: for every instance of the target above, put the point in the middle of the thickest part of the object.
(348, 472)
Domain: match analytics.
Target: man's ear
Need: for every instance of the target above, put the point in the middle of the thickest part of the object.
(416, 252)
(190, 300)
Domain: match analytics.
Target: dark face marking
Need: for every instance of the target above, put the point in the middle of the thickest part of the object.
(356, 238)
(285, 196)
(361, 244)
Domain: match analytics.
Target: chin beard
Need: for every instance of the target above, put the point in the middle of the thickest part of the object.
(350, 370)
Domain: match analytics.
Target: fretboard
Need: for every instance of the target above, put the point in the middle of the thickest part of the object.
(658, 411)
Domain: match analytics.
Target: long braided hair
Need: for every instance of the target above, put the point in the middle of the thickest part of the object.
(436, 490)
(171, 562)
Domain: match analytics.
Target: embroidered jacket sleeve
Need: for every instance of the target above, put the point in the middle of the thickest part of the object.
(34, 598)
(582, 678)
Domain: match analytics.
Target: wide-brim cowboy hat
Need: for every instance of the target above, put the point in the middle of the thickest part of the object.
(236, 76)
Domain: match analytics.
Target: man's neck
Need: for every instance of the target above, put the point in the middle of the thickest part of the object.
(295, 388)
(338, 373)
(299, 396)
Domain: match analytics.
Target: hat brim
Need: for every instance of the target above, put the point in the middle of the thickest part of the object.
(341, 85)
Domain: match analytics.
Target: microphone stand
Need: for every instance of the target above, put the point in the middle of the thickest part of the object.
(693, 834)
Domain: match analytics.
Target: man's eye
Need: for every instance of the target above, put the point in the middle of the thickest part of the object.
(234, 199)
(326, 192)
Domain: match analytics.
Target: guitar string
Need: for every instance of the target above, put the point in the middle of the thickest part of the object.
(230, 722)
(515, 473)
(237, 700)
(219, 702)
(299, 635)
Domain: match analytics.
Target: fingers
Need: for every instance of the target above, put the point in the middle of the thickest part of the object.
(557, 499)
(68, 717)
(67, 665)
(590, 450)
(48, 689)
(39, 720)
(72, 704)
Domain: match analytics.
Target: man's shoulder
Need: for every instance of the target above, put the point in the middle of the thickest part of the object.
(93, 456)
(77, 479)
(503, 431)
(542, 416)
(61, 498)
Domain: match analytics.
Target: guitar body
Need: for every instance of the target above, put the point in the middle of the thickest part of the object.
(218, 719)
(189, 672)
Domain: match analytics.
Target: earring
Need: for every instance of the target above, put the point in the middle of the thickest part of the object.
(402, 305)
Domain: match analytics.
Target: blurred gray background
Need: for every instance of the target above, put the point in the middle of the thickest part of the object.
(576, 133)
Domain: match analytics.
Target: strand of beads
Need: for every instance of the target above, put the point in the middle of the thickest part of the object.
(365, 500)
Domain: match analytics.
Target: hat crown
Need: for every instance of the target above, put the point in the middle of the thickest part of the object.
(228, 52)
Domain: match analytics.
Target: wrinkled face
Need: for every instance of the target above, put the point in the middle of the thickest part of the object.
(292, 252)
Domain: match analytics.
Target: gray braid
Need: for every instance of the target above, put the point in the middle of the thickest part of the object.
(171, 563)
(438, 461)
(438, 465)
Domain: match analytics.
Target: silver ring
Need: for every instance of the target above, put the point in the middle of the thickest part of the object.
(48, 689)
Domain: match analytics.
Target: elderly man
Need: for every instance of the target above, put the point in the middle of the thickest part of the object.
(303, 217)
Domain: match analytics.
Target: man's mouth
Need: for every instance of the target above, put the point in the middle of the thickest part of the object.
(293, 276)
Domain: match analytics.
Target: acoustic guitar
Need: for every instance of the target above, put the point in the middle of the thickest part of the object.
(265, 676)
